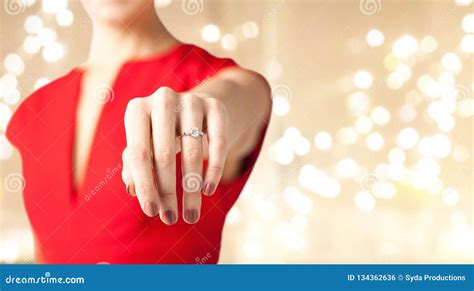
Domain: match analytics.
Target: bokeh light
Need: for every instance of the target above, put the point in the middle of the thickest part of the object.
(375, 37)
(370, 124)
(363, 79)
(323, 141)
(210, 33)
(405, 46)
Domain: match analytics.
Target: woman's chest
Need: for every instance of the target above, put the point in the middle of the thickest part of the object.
(81, 119)
(81, 130)
(96, 90)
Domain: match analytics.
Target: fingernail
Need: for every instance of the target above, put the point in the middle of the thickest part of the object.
(209, 188)
(169, 217)
(191, 216)
(151, 209)
(131, 190)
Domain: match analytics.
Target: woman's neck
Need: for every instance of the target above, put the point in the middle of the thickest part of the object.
(114, 44)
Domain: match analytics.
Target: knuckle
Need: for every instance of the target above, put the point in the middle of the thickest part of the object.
(135, 104)
(124, 155)
(193, 155)
(167, 196)
(167, 98)
(216, 170)
(164, 91)
(125, 176)
(167, 101)
(165, 156)
(190, 100)
(214, 102)
(134, 108)
(193, 196)
(139, 155)
(145, 189)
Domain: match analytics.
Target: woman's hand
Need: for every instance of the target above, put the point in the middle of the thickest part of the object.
(154, 128)
(231, 108)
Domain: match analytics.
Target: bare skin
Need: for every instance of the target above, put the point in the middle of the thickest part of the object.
(131, 30)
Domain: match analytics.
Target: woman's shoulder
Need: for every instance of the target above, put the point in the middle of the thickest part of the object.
(62, 84)
(38, 100)
(201, 58)
(196, 64)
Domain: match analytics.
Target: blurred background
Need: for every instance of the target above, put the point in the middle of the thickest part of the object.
(369, 154)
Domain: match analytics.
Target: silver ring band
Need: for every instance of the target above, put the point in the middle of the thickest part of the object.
(193, 132)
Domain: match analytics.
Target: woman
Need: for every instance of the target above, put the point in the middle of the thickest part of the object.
(175, 121)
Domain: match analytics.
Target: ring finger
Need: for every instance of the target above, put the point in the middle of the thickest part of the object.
(192, 157)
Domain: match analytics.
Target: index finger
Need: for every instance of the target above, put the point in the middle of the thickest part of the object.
(137, 129)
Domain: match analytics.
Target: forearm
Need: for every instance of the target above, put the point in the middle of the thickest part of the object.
(247, 99)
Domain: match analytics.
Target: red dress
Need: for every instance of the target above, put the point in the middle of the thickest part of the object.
(99, 222)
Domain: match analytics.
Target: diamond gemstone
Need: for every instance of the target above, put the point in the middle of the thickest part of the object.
(195, 132)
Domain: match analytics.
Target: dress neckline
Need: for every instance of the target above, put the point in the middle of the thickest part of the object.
(156, 57)
(79, 72)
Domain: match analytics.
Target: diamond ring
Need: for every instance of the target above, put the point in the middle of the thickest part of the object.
(193, 132)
